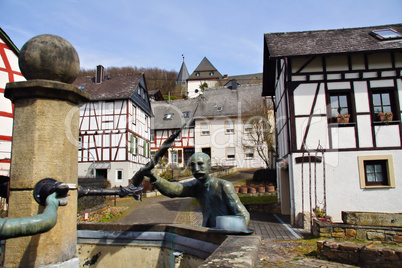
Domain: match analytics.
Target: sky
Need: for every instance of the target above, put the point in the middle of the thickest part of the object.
(156, 33)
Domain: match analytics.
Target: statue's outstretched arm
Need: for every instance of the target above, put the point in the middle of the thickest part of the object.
(31, 225)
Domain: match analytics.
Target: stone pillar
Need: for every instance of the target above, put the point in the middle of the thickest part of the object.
(45, 145)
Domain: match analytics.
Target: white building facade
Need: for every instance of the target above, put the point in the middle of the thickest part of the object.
(338, 112)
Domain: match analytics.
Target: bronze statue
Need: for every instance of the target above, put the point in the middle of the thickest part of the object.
(217, 197)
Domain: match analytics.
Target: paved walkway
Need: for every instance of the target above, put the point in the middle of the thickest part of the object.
(163, 209)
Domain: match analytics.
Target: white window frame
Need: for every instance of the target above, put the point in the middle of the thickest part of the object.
(228, 129)
(228, 150)
(205, 131)
(247, 151)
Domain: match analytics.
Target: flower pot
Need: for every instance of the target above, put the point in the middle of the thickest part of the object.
(261, 189)
(252, 190)
(270, 188)
(343, 120)
(237, 189)
(243, 190)
(386, 117)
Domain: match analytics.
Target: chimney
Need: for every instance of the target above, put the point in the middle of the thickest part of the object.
(99, 74)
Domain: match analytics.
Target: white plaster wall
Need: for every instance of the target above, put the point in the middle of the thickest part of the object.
(128, 169)
(387, 136)
(343, 192)
(315, 135)
(364, 133)
(218, 141)
(343, 137)
(361, 97)
(195, 84)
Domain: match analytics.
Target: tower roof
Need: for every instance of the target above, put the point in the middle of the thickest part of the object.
(183, 73)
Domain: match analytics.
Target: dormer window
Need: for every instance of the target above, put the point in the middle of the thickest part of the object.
(220, 108)
(168, 116)
(197, 74)
(82, 86)
(186, 114)
(386, 34)
(211, 73)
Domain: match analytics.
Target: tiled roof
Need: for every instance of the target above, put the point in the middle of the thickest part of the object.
(117, 87)
(223, 101)
(204, 71)
(329, 41)
(215, 102)
(245, 79)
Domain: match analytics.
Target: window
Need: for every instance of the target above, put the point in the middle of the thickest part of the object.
(178, 138)
(153, 136)
(173, 157)
(230, 153)
(248, 128)
(249, 152)
(119, 175)
(382, 105)
(229, 127)
(186, 114)
(220, 108)
(386, 34)
(204, 128)
(340, 107)
(376, 171)
(146, 123)
(134, 114)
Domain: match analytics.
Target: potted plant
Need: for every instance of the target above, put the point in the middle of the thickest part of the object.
(385, 117)
(270, 188)
(342, 118)
(320, 214)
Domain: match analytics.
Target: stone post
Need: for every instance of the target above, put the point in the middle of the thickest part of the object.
(45, 145)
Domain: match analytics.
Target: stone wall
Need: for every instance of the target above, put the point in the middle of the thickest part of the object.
(361, 255)
(392, 235)
(91, 201)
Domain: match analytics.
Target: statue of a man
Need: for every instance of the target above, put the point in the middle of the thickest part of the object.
(217, 197)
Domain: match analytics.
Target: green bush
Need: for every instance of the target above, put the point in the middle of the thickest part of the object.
(265, 176)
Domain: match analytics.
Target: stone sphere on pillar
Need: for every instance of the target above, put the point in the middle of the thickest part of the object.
(49, 57)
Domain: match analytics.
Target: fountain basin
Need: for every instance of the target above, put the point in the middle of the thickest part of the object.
(161, 245)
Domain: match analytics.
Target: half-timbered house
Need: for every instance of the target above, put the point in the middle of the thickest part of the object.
(170, 117)
(115, 126)
(9, 72)
(338, 96)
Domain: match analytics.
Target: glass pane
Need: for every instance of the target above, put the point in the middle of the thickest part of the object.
(231, 150)
(377, 99)
(369, 168)
(334, 112)
(378, 168)
(334, 102)
(343, 101)
(379, 177)
(370, 177)
(385, 99)
(377, 110)
(386, 109)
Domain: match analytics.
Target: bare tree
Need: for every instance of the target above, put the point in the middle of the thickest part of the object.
(259, 129)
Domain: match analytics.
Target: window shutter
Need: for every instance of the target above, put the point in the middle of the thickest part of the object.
(131, 144)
